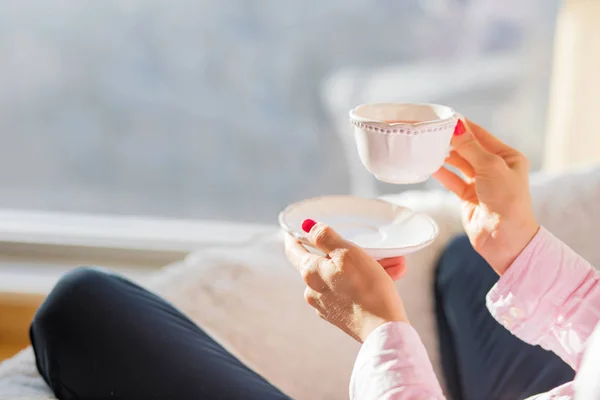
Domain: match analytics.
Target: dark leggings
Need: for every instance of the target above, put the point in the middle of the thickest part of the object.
(100, 336)
(481, 359)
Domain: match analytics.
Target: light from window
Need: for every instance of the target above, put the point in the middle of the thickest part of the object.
(233, 109)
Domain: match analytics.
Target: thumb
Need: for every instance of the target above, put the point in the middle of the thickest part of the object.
(324, 237)
(467, 146)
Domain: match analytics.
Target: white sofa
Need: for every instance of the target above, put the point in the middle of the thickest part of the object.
(250, 299)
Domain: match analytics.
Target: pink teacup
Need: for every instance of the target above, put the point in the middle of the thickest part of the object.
(403, 143)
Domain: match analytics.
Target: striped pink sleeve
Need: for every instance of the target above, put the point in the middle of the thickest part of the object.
(550, 297)
(393, 365)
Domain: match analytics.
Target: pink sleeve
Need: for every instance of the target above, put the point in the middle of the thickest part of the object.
(393, 365)
(549, 297)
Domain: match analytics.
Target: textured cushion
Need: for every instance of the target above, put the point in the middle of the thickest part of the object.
(568, 205)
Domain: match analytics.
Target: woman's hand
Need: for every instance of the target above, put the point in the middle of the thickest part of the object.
(497, 213)
(347, 288)
(395, 267)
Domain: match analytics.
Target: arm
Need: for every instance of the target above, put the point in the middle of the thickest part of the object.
(549, 296)
(393, 365)
(353, 292)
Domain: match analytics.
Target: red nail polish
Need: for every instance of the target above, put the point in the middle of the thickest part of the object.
(307, 224)
(460, 128)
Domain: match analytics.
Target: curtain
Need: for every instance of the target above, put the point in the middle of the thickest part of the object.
(574, 110)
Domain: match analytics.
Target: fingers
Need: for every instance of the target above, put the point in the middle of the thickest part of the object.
(326, 239)
(295, 252)
(395, 267)
(463, 165)
(313, 298)
(396, 272)
(312, 268)
(511, 156)
(469, 148)
(390, 262)
(489, 141)
(455, 184)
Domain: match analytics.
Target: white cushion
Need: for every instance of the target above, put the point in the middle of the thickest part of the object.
(568, 205)
(251, 300)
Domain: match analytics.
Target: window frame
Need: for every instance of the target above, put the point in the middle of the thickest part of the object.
(36, 247)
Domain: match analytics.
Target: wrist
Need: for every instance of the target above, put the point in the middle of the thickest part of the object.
(372, 324)
(517, 241)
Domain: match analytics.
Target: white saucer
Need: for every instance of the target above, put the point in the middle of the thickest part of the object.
(382, 229)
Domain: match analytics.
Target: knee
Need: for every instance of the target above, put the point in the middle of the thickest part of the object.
(82, 280)
(462, 268)
(458, 261)
(75, 295)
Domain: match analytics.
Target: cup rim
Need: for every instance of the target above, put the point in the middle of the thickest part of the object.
(358, 118)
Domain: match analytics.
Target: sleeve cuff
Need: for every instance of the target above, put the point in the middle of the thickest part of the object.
(528, 297)
(392, 360)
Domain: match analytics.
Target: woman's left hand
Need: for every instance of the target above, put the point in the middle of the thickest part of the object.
(395, 267)
(347, 288)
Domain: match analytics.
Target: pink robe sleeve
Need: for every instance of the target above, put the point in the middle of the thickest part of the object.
(550, 297)
(393, 365)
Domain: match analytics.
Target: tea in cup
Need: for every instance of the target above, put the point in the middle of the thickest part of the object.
(403, 143)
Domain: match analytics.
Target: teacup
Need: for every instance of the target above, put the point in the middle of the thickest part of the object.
(403, 143)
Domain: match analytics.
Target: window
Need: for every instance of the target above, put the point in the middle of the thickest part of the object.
(231, 110)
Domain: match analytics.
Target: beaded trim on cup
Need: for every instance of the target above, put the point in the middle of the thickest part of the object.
(401, 131)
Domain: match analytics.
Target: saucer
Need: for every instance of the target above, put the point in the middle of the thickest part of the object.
(382, 229)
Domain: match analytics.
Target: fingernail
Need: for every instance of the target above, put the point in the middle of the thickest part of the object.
(460, 128)
(307, 224)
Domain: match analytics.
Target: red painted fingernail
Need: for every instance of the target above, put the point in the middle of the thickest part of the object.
(307, 224)
(460, 128)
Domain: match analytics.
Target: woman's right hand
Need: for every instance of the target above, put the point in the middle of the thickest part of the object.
(497, 214)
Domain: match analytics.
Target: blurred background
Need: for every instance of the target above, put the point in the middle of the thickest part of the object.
(134, 132)
(231, 110)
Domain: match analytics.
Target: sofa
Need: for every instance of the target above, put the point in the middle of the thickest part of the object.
(250, 299)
